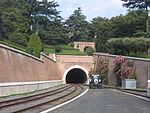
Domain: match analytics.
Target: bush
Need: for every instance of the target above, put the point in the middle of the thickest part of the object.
(58, 49)
(129, 46)
(18, 38)
(1, 39)
(71, 44)
(89, 51)
(34, 45)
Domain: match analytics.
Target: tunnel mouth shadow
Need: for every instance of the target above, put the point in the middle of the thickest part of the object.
(76, 76)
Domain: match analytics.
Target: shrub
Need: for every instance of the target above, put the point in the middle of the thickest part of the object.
(123, 69)
(18, 38)
(34, 45)
(58, 49)
(129, 46)
(71, 44)
(89, 51)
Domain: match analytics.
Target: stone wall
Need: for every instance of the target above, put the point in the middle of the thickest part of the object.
(82, 45)
(17, 66)
(141, 66)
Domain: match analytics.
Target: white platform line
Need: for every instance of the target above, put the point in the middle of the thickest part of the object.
(55, 107)
(144, 98)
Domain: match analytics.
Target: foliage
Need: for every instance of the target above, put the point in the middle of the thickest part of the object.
(100, 32)
(14, 45)
(71, 44)
(18, 38)
(126, 26)
(58, 49)
(26, 17)
(123, 69)
(89, 51)
(77, 26)
(142, 34)
(34, 45)
(139, 4)
(144, 4)
(101, 67)
(128, 46)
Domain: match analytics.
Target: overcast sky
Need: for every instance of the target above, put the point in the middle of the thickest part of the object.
(92, 8)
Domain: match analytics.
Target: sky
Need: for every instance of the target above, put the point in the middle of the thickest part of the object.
(92, 8)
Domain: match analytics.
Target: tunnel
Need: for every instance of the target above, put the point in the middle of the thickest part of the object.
(76, 76)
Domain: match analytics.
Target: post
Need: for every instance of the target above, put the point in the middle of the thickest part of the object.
(148, 83)
(148, 89)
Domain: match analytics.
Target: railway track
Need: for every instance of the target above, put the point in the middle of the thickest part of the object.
(42, 101)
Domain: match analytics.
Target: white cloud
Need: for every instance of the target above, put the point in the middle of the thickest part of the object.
(91, 8)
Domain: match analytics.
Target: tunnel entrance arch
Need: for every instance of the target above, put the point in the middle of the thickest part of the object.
(75, 74)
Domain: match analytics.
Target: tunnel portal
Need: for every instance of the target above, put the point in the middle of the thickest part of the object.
(76, 76)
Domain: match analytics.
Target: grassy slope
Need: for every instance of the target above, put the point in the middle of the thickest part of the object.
(66, 50)
(14, 45)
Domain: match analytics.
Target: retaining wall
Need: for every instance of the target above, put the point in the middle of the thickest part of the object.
(17, 66)
(141, 65)
(24, 87)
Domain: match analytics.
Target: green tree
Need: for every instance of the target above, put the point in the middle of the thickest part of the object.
(128, 25)
(34, 45)
(100, 32)
(47, 22)
(77, 26)
(140, 4)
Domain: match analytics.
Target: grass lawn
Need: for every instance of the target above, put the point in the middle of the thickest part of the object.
(146, 56)
(66, 50)
(63, 46)
(71, 52)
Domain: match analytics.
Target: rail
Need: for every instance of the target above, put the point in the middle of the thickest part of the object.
(40, 102)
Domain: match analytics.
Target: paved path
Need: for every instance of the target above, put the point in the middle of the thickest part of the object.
(105, 101)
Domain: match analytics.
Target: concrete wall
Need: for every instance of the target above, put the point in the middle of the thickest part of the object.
(24, 87)
(17, 66)
(140, 64)
(82, 45)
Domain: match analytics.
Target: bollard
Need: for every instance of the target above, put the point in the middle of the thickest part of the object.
(148, 88)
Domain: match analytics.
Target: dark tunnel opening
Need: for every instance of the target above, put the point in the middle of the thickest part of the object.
(76, 76)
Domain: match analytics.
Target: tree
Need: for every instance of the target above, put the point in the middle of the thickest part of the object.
(2, 28)
(47, 22)
(140, 4)
(13, 20)
(129, 24)
(34, 45)
(101, 31)
(77, 26)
